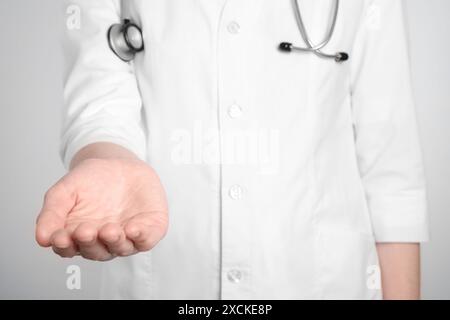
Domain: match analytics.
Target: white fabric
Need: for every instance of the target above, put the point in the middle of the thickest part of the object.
(295, 205)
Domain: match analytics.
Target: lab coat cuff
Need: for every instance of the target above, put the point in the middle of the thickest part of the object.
(408, 223)
(403, 234)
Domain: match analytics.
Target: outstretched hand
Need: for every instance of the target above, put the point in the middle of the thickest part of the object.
(104, 208)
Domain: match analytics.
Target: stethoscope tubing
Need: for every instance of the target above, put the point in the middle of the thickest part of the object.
(311, 47)
(301, 26)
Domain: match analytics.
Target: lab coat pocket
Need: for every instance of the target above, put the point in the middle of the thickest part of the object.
(348, 265)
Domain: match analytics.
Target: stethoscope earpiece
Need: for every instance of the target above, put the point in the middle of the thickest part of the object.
(285, 47)
(125, 40)
(342, 57)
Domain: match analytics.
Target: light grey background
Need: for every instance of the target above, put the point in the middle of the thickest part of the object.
(30, 101)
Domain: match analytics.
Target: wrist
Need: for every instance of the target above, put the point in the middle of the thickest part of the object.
(102, 151)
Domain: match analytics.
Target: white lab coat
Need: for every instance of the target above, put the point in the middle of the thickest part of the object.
(282, 170)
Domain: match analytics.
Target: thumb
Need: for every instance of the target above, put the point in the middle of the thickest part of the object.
(58, 202)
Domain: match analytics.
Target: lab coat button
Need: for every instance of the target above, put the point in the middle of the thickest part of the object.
(236, 192)
(234, 27)
(235, 111)
(234, 276)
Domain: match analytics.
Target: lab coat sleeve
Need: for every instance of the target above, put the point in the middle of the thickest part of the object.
(102, 102)
(387, 141)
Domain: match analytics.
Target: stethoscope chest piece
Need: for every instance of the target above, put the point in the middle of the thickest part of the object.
(125, 40)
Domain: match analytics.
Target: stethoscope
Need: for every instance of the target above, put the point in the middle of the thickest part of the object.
(310, 46)
(126, 39)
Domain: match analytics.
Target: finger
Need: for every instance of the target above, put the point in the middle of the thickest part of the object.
(85, 237)
(63, 245)
(47, 225)
(115, 240)
(57, 204)
(144, 236)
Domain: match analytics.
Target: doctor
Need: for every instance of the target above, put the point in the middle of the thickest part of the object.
(286, 175)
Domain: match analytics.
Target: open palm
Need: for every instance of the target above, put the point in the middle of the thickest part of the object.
(103, 209)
